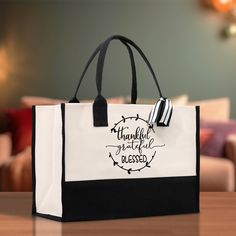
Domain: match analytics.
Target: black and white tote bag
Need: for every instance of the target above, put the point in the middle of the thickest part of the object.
(105, 161)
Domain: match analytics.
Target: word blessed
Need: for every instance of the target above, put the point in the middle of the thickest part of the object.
(134, 158)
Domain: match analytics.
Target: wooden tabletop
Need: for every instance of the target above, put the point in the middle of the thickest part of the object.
(217, 217)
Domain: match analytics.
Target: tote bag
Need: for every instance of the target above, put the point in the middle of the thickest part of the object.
(103, 161)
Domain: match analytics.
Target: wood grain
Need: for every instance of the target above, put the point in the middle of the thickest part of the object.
(217, 217)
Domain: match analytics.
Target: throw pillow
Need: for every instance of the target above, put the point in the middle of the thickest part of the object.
(20, 126)
(205, 135)
(221, 130)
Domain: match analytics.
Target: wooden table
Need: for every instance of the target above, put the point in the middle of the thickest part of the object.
(217, 217)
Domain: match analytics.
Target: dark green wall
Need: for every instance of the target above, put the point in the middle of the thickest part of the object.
(49, 43)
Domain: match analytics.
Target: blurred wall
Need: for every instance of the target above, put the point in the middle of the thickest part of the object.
(49, 42)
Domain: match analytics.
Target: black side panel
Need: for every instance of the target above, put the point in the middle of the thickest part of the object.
(198, 152)
(63, 157)
(33, 161)
(124, 198)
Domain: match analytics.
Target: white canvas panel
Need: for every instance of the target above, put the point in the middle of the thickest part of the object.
(95, 153)
(48, 159)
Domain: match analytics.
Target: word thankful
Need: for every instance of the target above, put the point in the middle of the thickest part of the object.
(139, 133)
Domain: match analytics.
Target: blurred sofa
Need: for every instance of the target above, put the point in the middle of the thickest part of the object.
(217, 173)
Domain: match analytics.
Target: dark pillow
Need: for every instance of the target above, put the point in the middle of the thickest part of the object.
(20, 126)
(221, 129)
(3, 122)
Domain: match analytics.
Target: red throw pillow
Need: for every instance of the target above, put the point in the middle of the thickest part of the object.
(20, 126)
(205, 135)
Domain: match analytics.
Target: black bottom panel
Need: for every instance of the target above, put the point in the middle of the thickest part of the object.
(125, 198)
(50, 217)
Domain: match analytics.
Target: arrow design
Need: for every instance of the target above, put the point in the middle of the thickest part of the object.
(113, 130)
(123, 118)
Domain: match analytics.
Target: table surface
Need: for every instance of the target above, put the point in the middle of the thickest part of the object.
(217, 217)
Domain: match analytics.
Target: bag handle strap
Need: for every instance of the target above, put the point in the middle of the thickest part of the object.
(133, 68)
(101, 59)
(100, 103)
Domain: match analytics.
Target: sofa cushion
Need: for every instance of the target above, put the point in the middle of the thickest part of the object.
(216, 174)
(180, 100)
(5, 147)
(16, 173)
(214, 109)
(29, 101)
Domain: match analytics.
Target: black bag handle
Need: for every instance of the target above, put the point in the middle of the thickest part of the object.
(100, 103)
(101, 59)
(133, 68)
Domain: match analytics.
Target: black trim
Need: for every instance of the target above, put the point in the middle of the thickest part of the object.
(126, 198)
(198, 154)
(50, 217)
(63, 157)
(33, 160)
